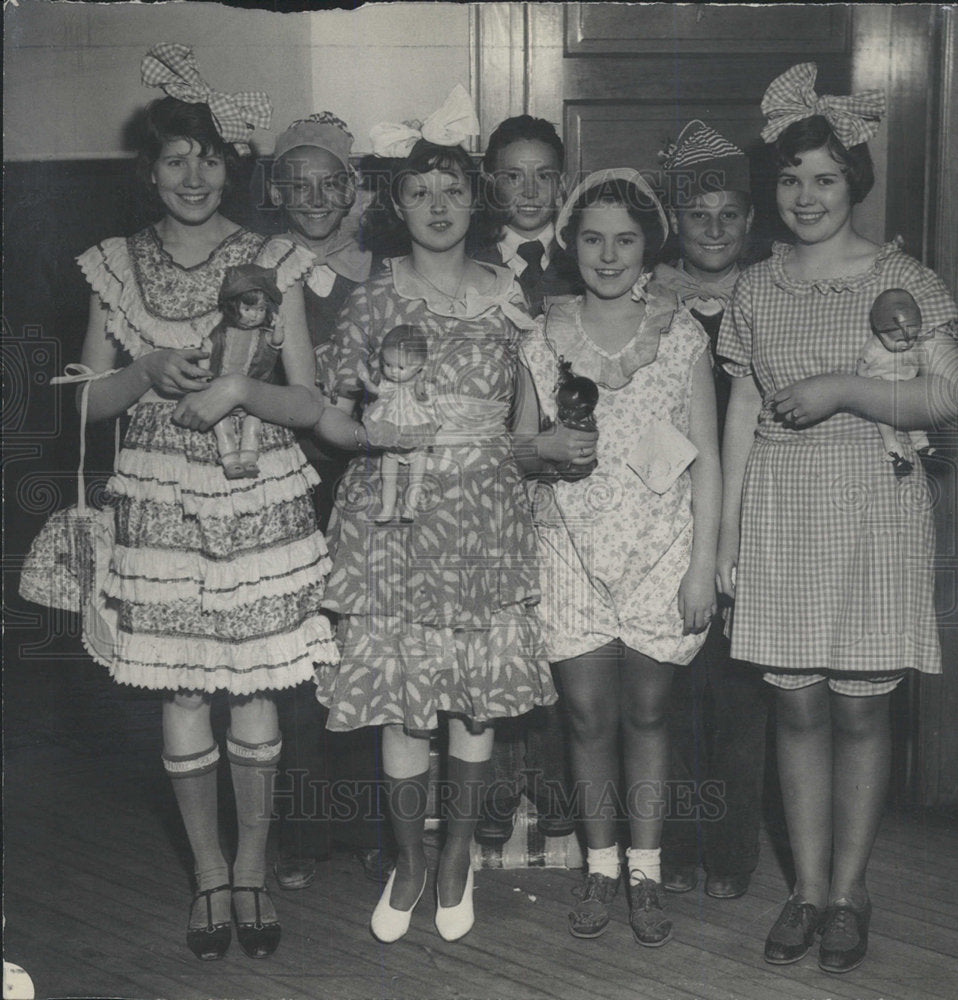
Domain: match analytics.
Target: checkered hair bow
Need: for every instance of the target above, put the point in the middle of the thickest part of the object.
(173, 67)
(791, 98)
(449, 125)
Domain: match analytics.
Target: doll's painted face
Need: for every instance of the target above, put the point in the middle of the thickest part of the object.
(399, 364)
(250, 315)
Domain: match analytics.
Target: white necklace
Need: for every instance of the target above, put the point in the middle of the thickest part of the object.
(431, 284)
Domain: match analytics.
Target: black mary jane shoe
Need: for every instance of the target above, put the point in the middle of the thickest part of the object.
(792, 934)
(257, 939)
(844, 936)
(212, 941)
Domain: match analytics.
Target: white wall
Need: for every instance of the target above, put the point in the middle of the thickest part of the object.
(72, 77)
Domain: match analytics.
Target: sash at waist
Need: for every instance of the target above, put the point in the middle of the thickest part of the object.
(464, 419)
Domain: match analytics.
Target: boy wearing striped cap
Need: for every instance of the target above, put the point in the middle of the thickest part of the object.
(718, 709)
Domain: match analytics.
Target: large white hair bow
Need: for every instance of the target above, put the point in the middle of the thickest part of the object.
(791, 98)
(449, 125)
(173, 67)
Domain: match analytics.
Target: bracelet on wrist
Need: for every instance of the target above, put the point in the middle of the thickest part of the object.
(360, 437)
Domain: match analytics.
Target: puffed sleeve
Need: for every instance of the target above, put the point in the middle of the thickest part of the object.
(734, 345)
(938, 310)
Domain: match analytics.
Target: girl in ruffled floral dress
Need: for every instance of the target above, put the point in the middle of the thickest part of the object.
(436, 616)
(628, 555)
(218, 582)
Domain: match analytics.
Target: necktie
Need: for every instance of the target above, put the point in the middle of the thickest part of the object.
(531, 278)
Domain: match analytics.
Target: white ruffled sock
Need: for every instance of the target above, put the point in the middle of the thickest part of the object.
(603, 861)
(644, 864)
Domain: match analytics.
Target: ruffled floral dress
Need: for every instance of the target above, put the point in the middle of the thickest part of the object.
(613, 552)
(218, 582)
(437, 615)
(835, 567)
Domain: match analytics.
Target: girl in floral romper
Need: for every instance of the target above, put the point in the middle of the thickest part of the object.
(628, 564)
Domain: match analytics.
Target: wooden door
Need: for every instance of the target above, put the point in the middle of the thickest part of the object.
(620, 80)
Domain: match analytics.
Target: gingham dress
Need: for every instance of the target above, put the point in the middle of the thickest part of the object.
(835, 562)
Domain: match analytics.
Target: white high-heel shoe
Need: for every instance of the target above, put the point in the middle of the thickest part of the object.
(454, 922)
(388, 924)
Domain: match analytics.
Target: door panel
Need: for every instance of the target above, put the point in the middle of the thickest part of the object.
(599, 29)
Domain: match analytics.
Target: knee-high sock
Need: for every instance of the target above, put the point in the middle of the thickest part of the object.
(253, 769)
(463, 796)
(194, 785)
(408, 798)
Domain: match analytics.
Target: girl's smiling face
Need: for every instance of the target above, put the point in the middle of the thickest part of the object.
(315, 189)
(609, 248)
(813, 198)
(188, 182)
(436, 208)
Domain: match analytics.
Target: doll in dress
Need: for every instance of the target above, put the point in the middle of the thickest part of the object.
(889, 354)
(247, 341)
(400, 413)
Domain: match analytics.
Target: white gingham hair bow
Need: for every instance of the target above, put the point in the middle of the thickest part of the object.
(791, 98)
(173, 67)
(450, 125)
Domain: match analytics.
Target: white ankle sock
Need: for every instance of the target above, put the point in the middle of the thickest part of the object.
(644, 864)
(603, 861)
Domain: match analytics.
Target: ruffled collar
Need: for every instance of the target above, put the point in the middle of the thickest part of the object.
(840, 283)
(469, 303)
(568, 338)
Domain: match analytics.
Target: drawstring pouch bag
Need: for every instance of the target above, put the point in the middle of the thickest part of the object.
(68, 561)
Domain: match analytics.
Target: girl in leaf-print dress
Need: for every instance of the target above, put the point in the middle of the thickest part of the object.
(436, 616)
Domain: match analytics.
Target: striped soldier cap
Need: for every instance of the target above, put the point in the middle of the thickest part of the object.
(701, 161)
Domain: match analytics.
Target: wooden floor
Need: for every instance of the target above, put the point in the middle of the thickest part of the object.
(96, 896)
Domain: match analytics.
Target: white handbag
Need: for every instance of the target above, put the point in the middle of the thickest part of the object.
(67, 564)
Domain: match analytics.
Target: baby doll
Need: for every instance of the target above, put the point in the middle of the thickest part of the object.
(888, 354)
(247, 340)
(400, 418)
(576, 399)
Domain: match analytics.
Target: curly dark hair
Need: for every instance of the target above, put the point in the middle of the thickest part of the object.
(167, 119)
(382, 230)
(815, 133)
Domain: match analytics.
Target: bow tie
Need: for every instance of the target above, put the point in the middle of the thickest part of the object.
(688, 287)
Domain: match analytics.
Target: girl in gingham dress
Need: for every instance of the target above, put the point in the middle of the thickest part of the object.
(827, 553)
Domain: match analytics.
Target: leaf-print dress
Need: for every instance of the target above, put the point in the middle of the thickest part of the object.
(436, 615)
